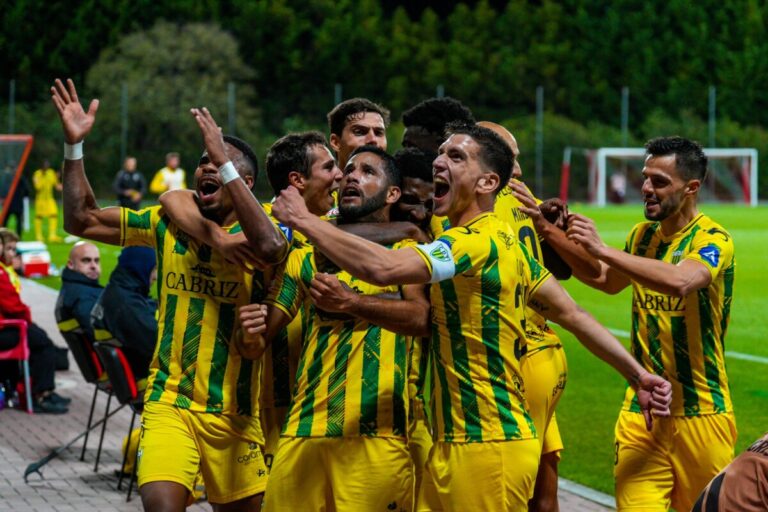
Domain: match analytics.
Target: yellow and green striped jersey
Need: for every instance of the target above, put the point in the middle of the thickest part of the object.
(684, 338)
(418, 361)
(538, 334)
(478, 312)
(351, 379)
(280, 360)
(196, 365)
(438, 225)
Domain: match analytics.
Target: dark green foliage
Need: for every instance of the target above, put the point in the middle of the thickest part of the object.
(490, 55)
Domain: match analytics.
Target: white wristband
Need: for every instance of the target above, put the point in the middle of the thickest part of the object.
(228, 172)
(73, 151)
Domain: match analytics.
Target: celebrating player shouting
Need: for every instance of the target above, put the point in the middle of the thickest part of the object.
(482, 280)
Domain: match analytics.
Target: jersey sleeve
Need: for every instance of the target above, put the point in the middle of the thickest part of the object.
(535, 272)
(289, 286)
(455, 252)
(713, 248)
(139, 227)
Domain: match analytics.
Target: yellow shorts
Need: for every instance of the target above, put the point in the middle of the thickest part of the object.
(177, 443)
(340, 474)
(419, 443)
(271, 424)
(545, 373)
(489, 476)
(673, 463)
(46, 208)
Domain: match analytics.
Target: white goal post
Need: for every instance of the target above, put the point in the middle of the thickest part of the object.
(734, 167)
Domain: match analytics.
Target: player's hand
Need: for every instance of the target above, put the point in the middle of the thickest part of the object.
(654, 395)
(556, 212)
(289, 207)
(253, 323)
(582, 230)
(528, 205)
(212, 138)
(330, 294)
(75, 121)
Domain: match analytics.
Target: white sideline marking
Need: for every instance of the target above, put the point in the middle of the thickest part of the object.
(735, 355)
(587, 493)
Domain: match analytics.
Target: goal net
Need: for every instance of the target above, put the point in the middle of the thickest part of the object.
(614, 176)
(14, 151)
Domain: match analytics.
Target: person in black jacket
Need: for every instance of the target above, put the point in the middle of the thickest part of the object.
(126, 310)
(80, 288)
(129, 185)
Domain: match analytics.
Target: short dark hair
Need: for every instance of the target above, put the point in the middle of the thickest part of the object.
(434, 114)
(495, 153)
(251, 160)
(291, 153)
(390, 166)
(341, 113)
(690, 160)
(415, 163)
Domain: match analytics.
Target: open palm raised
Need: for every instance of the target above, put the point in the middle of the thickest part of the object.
(76, 122)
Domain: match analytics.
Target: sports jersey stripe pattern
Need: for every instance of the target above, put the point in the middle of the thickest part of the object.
(479, 392)
(351, 375)
(683, 338)
(196, 365)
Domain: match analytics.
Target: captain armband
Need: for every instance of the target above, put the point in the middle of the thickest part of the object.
(440, 258)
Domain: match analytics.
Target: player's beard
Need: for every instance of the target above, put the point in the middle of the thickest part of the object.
(666, 207)
(367, 207)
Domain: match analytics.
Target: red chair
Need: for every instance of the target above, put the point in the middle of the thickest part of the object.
(21, 353)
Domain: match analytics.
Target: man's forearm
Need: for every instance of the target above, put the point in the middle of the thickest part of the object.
(266, 240)
(584, 265)
(82, 216)
(410, 318)
(657, 275)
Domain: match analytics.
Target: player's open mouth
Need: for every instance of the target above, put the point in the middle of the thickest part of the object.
(207, 187)
(350, 192)
(441, 188)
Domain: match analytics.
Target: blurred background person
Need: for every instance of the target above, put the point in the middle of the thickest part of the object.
(16, 205)
(45, 180)
(170, 177)
(129, 185)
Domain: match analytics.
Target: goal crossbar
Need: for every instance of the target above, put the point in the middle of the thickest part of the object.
(603, 154)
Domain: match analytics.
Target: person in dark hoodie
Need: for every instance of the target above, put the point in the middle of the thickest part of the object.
(80, 288)
(126, 310)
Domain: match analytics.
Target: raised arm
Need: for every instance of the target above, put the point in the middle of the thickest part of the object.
(653, 392)
(181, 207)
(408, 316)
(676, 280)
(584, 265)
(363, 259)
(267, 242)
(82, 216)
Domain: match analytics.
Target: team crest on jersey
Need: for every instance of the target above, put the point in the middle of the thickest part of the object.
(440, 253)
(710, 254)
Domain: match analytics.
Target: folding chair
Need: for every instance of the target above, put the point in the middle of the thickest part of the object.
(125, 390)
(93, 373)
(21, 353)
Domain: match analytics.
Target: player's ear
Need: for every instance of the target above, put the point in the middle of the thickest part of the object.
(393, 194)
(692, 186)
(296, 179)
(335, 142)
(488, 182)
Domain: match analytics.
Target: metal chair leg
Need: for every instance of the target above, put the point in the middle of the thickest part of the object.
(133, 473)
(125, 453)
(101, 439)
(90, 419)
(27, 387)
